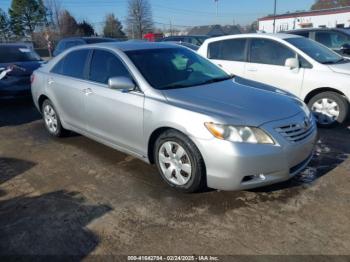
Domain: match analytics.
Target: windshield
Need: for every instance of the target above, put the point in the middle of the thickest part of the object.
(315, 50)
(11, 54)
(168, 68)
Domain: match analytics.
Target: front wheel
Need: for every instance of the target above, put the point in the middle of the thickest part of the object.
(179, 162)
(329, 108)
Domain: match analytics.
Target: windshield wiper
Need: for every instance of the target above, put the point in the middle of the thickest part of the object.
(334, 62)
(215, 80)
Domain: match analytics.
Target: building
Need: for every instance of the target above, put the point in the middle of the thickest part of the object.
(214, 30)
(330, 18)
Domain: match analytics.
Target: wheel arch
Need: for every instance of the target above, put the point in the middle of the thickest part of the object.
(321, 90)
(41, 100)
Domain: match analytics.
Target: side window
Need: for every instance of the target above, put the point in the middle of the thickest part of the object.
(332, 39)
(105, 65)
(231, 50)
(303, 62)
(265, 51)
(73, 64)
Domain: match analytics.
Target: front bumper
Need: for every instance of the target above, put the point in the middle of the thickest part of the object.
(238, 166)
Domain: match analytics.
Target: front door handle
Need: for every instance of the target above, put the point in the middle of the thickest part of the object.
(50, 82)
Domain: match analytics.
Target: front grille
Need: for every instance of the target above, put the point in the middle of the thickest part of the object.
(297, 132)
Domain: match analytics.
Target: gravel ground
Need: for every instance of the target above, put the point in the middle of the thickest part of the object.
(73, 196)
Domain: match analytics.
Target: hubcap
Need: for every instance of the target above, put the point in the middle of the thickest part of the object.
(326, 111)
(175, 163)
(50, 118)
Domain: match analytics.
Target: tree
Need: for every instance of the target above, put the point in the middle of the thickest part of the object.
(85, 29)
(113, 27)
(5, 26)
(139, 19)
(26, 15)
(68, 24)
(325, 4)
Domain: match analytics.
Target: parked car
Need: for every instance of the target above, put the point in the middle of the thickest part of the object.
(69, 42)
(191, 39)
(303, 67)
(188, 45)
(167, 105)
(337, 39)
(17, 63)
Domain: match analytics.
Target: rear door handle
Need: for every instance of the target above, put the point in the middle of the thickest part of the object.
(50, 82)
(252, 69)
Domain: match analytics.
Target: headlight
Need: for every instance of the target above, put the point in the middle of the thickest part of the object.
(242, 134)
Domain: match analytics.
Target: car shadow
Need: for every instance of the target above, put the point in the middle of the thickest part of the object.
(49, 224)
(15, 112)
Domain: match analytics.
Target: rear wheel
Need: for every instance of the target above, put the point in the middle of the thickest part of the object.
(329, 108)
(179, 162)
(52, 120)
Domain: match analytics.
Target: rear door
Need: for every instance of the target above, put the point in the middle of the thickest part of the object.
(67, 87)
(112, 115)
(266, 64)
(229, 54)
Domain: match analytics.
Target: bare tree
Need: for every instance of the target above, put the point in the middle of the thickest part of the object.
(68, 24)
(54, 9)
(139, 19)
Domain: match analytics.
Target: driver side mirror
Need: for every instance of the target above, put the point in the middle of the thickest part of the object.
(345, 49)
(122, 83)
(292, 63)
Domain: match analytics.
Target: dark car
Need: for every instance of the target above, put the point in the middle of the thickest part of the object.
(17, 63)
(75, 41)
(191, 39)
(337, 39)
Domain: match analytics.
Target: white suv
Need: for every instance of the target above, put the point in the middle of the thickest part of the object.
(301, 66)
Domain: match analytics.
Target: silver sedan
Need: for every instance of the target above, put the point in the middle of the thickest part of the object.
(169, 106)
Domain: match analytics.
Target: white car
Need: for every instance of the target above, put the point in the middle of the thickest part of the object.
(303, 67)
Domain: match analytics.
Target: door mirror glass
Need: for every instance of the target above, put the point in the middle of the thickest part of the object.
(292, 63)
(345, 48)
(122, 83)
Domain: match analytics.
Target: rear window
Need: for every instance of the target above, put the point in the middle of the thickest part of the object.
(11, 54)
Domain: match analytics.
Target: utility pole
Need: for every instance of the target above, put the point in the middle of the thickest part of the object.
(217, 10)
(274, 16)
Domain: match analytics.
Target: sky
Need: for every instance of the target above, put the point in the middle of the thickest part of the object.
(181, 13)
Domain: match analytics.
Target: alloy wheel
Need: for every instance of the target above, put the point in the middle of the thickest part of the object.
(50, 118)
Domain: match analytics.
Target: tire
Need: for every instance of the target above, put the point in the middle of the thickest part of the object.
(336, 113)
(52, 120)
(181, 179)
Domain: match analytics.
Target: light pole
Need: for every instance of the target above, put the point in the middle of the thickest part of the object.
(274, 16)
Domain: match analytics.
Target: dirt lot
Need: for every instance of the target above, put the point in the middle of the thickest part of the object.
(74, 196)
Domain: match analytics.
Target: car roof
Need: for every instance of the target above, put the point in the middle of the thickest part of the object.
(346, 30)
(253, 35)
(85, 38)
(134, 45)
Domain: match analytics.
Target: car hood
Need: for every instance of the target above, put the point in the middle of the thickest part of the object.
(343, 68)
(237, 103)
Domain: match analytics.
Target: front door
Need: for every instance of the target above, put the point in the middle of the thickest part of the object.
(112, 115)
(267, 65)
